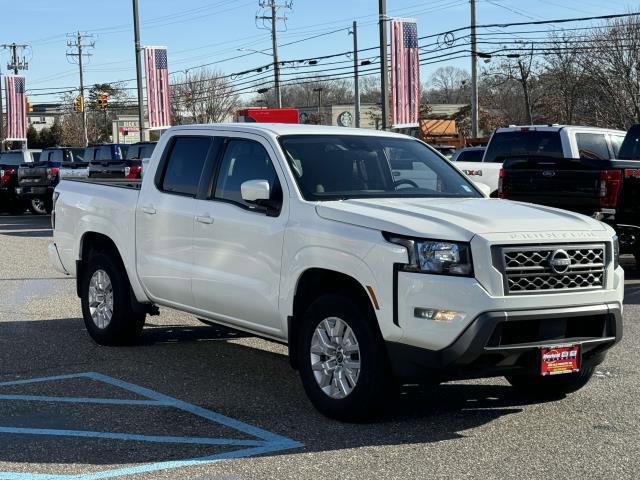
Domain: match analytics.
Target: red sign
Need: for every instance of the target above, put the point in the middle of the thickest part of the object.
(557, 360)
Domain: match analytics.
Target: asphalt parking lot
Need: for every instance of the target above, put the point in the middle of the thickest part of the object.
(203, 402)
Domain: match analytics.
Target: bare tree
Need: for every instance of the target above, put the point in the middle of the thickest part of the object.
(449, 85)
(613, 72)
(204, 96)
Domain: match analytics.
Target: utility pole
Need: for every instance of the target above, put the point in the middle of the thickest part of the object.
(16, 62)
(356, 76)
(16, 65)
(384, 74)
(474, 73)
(138, 47)
(273, 19)
(76, 42)
(1, 117)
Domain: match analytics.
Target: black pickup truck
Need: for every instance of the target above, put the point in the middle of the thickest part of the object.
(10, 162)
(605, 189)
(120, 165)
(37, 180)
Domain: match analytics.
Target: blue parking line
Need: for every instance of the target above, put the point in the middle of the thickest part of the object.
(187, 407)
(130, 436)
(105, 401)
(265, 442)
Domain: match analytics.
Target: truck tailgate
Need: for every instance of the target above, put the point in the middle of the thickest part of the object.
(33, 174)
(573, 184)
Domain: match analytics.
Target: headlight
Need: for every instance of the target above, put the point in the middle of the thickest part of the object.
(436, 256)
(616, 252)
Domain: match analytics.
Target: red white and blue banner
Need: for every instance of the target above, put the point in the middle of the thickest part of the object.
(16, 129)
(405, 73)
(158, 89)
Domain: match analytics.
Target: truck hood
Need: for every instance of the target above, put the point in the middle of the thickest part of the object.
(453, 219)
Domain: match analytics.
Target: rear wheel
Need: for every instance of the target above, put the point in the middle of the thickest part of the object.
(552, 385)
(39, 206)
(106, 302)
(342, 360)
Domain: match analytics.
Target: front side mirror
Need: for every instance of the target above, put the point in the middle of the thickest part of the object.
(255, 190)
(484, 188)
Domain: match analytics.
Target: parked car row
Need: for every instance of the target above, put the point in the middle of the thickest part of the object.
(29, 177)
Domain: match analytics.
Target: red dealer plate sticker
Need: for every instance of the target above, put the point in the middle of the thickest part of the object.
(560, 359)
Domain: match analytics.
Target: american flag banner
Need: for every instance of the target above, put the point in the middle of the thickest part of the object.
(16, 109)
(405, 73)
(158, 90)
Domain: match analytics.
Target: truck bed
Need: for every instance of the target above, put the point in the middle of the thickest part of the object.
(106, 207)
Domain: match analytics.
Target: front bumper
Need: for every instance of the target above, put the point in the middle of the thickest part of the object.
(508, 342)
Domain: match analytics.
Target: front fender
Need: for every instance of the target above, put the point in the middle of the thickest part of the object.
(339, 261)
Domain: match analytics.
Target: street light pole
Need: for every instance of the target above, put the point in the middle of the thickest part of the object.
(138, 47)
(356, 77)
(384, 75)
(474, 73)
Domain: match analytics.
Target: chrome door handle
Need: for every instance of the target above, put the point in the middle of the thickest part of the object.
(204, 219)
(149, 209)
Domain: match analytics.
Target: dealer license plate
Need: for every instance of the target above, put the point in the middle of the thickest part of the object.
(561, 359)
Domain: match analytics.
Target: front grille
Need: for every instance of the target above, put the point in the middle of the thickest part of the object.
(539, 269)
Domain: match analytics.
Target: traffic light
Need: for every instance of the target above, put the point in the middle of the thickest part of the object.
(78, 104)
(101, 101)
(27, 105)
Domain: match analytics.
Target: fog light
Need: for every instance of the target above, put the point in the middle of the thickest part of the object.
(438, 315)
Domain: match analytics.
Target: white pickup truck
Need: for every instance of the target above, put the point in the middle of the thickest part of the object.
(321, 238)
(554, 141)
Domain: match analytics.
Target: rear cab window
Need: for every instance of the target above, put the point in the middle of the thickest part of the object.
(523, 143)
(14, 159)
(470, 156)
(184, 165)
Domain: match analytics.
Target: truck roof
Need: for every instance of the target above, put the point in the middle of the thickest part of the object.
(287, 129)
(554, 128)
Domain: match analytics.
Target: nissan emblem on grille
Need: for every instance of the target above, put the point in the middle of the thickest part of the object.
(559, 261)
(545, 269)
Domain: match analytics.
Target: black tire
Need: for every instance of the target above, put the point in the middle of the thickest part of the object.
(39, 206)
(125, 325)
(553, 386)
(374, 384)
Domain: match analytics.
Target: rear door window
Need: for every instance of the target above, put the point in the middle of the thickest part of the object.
(592, 146)
(183, 167)
(525, 143)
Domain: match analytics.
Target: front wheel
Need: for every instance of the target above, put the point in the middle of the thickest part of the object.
(342, 360)
(106, 303)
(553, 385)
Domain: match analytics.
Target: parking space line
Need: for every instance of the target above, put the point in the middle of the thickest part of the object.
(105, 401)
(131, 436)
(264, 441)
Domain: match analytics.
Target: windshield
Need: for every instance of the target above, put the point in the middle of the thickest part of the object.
(13, 158)
(526, 143)
(332, 167)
